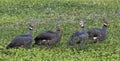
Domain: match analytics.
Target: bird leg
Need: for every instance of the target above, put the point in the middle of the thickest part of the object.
(48, 47)
(40, 42)
(22, 46)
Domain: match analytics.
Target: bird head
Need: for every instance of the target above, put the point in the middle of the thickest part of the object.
(31, 25)
(81, 23)
(58, 26)
(105, 21)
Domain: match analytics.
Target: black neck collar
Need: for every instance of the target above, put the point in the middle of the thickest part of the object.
(82, 27)
(105, 24)
(30, 28)
(58, 30)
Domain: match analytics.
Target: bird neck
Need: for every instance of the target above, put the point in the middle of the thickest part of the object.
(30, 31)
(82, 29)
(104, 27)
(58, 32)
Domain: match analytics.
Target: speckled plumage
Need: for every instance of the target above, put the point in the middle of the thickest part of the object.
(49, 38)
(78, 37)
(23, 41)
(98, 34)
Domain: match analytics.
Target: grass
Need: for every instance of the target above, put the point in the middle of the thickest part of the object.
(14, 16)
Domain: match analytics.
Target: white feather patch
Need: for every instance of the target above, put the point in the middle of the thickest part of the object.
(94, 38)
(43, 40)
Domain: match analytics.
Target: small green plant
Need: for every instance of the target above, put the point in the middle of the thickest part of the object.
(14, 16)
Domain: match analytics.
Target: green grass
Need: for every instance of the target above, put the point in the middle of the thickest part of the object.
(14, 16)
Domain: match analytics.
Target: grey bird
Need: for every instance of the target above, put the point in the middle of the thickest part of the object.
(24, 40)
(78, 38)
(99, 34)
(49, 38)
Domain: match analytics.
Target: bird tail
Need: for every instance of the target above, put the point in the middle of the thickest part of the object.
(9, 46)
(69, 43)
(37, 38)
